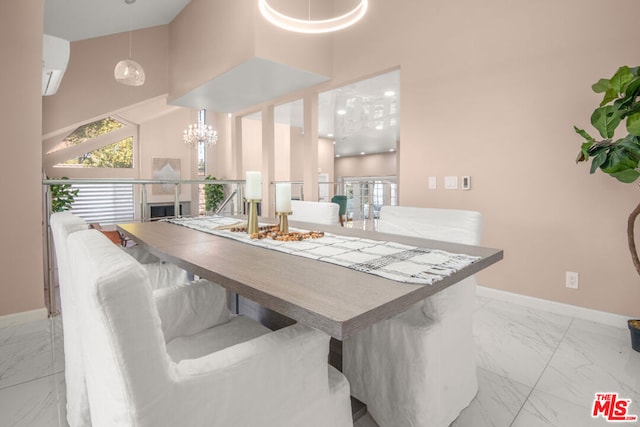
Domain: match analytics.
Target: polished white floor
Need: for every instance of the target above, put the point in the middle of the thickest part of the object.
(538, 369)
(534, 368)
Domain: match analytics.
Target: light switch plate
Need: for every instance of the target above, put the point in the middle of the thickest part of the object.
(450, 182)
(433, 183)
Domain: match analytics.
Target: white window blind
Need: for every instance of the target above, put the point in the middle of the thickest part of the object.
(108, 203)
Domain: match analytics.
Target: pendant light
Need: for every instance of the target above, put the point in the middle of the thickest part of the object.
(129, 72)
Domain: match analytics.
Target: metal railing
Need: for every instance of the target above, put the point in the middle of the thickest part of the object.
(364, 199)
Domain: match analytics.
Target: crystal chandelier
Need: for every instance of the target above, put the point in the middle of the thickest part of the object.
(200, 133)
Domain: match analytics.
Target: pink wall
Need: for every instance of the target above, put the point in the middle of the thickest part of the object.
(208, 38)
(22, 285)
(89, 90)
(383, 164)
(491, 89)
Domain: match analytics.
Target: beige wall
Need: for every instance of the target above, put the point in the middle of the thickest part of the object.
(383, 164)
(491, 89)
(22, 286)
(88, 89)
(326, 157)
(162, 138)
(208, 38)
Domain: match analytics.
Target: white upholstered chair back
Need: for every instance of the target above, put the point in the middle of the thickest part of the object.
(282, 377)
(124, 348)
(315, 212)
(418, 369)
(64, 224)
(449, 225)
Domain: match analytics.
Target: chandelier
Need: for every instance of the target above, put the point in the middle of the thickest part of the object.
(200, 133)
(310, 26)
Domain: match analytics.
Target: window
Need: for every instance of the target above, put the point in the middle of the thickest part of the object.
(117, 155)
(104, 143)
(87, 132)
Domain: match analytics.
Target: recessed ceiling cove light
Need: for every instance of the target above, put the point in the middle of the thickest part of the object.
(311, 26)
(362, 153)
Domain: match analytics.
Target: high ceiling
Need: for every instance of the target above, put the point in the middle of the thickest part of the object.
(370, 121)
(75, 20)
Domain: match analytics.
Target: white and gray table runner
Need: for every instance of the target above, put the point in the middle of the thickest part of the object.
(395, 261)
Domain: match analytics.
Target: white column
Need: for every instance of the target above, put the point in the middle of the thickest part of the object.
(310, 158)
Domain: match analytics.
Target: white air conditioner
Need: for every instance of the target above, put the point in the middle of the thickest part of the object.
(55, 57)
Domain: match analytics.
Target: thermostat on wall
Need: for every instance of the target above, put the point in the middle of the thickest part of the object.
(466, 183)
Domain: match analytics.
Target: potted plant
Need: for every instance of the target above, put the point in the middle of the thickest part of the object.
(618, 157)
(62, 196)
(213, 195)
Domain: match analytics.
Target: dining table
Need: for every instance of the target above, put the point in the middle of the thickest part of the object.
(327, 296)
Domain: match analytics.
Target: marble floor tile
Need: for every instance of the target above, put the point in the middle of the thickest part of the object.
(517, 342)
(481, 301)
(31, 404)
(496, 404)
(593, 358)
(25, 361)
(62, 400)
(365, 421)
(36, 330)
(545, 410)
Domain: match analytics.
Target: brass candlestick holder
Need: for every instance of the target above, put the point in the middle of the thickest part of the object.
(283, 223)
(252, 220)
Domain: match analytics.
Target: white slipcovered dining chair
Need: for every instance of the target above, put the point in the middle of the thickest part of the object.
(418, 368)
(64, 224)
(315, 212)
(245, 376)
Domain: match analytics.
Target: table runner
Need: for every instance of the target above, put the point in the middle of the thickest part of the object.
(395, 261)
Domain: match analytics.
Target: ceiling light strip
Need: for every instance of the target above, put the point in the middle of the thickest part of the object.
(312, 26)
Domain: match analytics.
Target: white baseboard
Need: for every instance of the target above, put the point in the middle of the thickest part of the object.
(603, 317)
(23, 317)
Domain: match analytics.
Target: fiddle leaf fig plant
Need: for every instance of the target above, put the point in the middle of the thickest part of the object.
(213, 194)
(618, 157)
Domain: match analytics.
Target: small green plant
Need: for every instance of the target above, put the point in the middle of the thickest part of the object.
(62, 196)
(213, 194)
(617, 157)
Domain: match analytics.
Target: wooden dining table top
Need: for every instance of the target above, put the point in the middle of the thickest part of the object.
(332, 298)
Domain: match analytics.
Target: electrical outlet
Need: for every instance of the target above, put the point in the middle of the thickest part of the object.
(571, 280)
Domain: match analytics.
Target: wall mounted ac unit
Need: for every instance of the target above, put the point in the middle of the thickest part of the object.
(55, 57)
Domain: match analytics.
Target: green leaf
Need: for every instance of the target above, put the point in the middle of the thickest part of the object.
(583, 134)
(598, 161)
(633, 88)
(621, 79)
(583, 155)
(627, 176)
(602, 86)
(606, 120)
(609, 96)
(633, 124)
